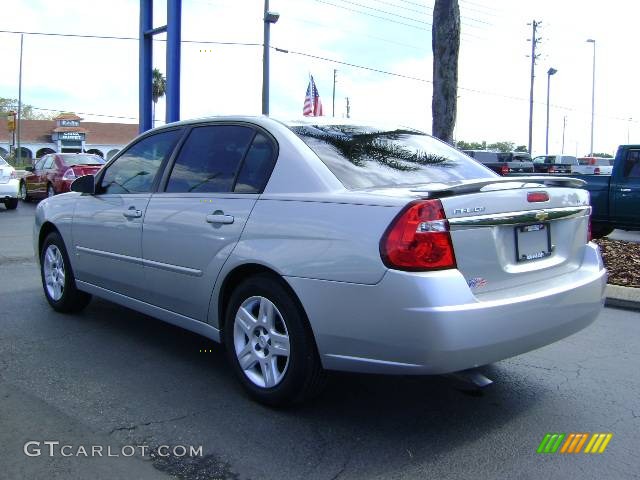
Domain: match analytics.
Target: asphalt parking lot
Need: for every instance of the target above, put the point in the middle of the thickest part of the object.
(113, 377)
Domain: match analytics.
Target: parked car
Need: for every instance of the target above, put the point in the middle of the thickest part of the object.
(8, 185)
(615, 198)
(554, 164)
(503, 163)
(54, 173)
(308, 247)
(593, 166)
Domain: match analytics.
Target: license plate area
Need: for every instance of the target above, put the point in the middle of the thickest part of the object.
(533, 242)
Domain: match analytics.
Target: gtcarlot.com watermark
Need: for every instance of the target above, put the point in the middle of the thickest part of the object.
(52, 448)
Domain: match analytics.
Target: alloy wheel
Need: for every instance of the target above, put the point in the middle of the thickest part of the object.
(261, 342)
(54, 272)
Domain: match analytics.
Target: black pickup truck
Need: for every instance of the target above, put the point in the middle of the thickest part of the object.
(503, 163)
(615, 199)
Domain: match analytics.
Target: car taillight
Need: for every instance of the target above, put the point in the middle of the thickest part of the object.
(13, 175)
(552, 169)
(418, 239)
(596, 171)
(504, 169)
(69, 175)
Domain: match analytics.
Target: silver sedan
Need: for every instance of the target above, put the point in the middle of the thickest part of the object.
(306, 247)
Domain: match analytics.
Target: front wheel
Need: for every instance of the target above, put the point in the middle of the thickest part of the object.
(57, 277)
(270, 344)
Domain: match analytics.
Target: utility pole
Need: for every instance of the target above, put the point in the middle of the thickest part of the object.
(534, 43)
(552, 71)
(19, 119)
(334, 92)
(593, 92)
(269, 18)
(348, 108)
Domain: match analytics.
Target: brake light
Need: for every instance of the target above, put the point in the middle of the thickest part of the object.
(504, 169)
(69, 175)
(596, 171)
(537, 197)
(418, 239)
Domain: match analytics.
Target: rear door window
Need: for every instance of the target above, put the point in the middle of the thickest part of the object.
(368, 157)
(209, 159)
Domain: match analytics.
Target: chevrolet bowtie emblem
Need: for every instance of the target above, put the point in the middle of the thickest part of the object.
(542, 216)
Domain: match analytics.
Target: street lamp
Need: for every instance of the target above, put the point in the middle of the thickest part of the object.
(551, 71)
(593, 91)
(269, 18)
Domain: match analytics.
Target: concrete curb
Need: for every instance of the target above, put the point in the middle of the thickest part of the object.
(623, 297)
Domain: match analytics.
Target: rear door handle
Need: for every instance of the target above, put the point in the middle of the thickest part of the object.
(132, 213)
(220, 217)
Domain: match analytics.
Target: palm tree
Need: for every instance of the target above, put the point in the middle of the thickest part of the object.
(445, 41)
(159, 88)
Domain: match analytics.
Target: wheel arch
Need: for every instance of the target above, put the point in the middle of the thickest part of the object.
(46, 228)
(242, 272)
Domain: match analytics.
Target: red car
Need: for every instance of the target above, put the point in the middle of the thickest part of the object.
(54, 173)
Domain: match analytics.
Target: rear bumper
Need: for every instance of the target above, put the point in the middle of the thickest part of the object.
(431, 323)
(9, 189)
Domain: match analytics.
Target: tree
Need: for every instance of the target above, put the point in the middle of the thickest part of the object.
(502, 146)
(521, 148)
(602, 155)
(159, 88)
(11, 104)
(462, 145)
(445, 41)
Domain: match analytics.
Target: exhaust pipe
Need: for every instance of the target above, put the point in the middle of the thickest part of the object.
(471, 378)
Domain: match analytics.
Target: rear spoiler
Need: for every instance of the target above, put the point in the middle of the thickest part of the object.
(471, 186)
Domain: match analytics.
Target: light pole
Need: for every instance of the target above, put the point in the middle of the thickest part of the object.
(593, 92)
(269, 18)
(551, 71)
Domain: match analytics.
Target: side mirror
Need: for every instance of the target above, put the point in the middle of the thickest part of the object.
(84, 184)
(29, 169)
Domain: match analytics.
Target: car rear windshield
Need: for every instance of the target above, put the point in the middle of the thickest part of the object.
(368, 157)
(82, 160)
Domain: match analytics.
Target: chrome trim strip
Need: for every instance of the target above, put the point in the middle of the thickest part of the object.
(114, 256)
(140, 261)
(517, 218)
(172, 268)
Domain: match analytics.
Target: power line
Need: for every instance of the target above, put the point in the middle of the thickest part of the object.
(112, 37)
(77, 113)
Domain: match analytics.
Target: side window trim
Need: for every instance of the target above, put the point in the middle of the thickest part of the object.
(274, 158)
(133, 143)
(166, 172)
(242, 160)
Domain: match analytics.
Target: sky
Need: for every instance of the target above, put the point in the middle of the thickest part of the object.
(98, 78)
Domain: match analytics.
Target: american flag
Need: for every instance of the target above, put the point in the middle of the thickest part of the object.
(312, 104)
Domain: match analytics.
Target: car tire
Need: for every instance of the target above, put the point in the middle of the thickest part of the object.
(51, 192)
(11, 203)
(270, 344)
(599, 230)
(57, 277)
(24, 193)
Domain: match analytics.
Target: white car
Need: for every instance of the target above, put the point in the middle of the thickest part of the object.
(593, 166)
(9, 184)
